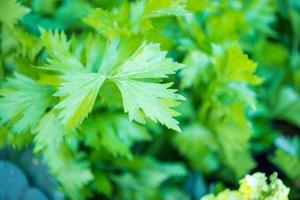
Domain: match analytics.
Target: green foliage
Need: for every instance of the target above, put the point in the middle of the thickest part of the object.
(123, 62)
(66, 167)
(113, 133)
(147, 176)
(93, 87)
(133, 18)
(11, 11)
(23, 103)
(288, 152)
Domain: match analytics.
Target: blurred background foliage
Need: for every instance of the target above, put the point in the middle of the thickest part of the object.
(241, 114)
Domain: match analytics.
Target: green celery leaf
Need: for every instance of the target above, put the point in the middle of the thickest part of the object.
(125, 62)
(115, 133)
(281, 158)
(69, 168)
(238, 67)
(154, 99)
(11, 11)
(78, 92)
(199, 146)
(160, 8)
(48, 135)
(288, 152)
(58, 48)
(134, 17)
(23, 102)
(287, 106)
